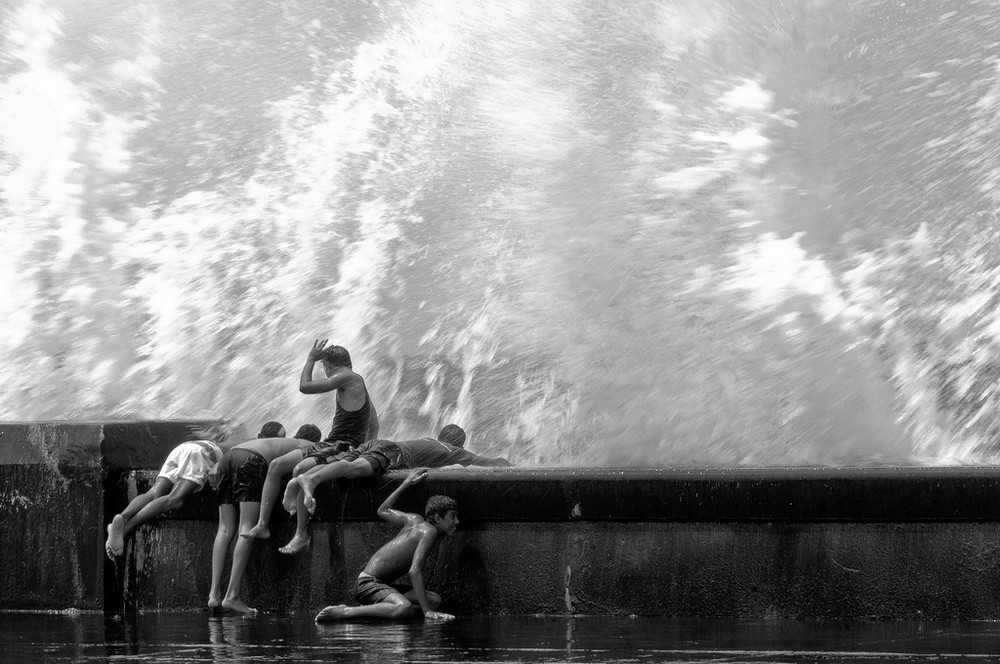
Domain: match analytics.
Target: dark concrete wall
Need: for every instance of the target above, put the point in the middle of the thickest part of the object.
(797, 543)
(54, 479)
(783, 543)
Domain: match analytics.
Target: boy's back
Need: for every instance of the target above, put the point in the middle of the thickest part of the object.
(272, 448)
(394, 558)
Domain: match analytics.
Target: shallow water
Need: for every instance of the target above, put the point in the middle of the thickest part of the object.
(196, 637)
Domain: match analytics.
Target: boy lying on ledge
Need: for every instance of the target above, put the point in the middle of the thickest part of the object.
(372, 459)
(185, 472)
(405, 553)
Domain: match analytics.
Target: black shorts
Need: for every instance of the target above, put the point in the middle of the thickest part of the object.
(368, 590)
(378, 461)
(241, 476)
(326, 451)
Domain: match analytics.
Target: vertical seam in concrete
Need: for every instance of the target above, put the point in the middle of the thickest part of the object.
(567, 595)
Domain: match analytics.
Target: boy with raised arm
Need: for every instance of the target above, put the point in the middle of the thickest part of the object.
(354, 422)
(240, 481)
(405, 553)
(185, 472)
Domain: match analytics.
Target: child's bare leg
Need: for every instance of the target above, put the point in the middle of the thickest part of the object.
(300, 540)
(291, 496)
(290, 499)
(118, 528)
(432, 598)
(172, 501)
(306, 504)
(276, 471)
(392, 607)
(249, 513)
(348, 469)
(223, 537)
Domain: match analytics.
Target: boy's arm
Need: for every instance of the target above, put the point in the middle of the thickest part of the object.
(427, 536)
(388, 512)
(309, 386)
(467, 458)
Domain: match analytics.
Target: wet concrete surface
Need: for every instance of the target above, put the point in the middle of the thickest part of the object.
(199, 637)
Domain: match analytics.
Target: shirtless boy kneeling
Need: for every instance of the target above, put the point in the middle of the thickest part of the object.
(405, 553)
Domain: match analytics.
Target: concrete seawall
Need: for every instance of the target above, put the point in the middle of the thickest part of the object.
(785, 543)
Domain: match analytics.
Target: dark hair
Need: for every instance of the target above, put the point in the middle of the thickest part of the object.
(309, 432)
(271, 430)
(337, 356)
(439, 506)
(453, 435)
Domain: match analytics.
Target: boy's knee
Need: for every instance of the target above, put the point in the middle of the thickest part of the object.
(358, 469)
(303, 466)
(433, 599)
(171, 503)
(400, 610)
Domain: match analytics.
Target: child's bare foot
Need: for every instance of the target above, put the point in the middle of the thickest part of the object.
(238, 606)
(214, 601)
(291, 493)
(331, 613)
(260, 531)
(116, 541)
(295, 545)
(308, 486)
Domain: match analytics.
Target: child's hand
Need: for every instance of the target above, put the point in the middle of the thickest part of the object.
(213, 477)
(416, 475)
(436, 615)
(317, 349)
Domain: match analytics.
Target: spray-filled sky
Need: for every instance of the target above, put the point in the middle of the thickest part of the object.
(655, 233)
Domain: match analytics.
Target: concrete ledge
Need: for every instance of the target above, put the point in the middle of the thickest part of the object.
(517, 495)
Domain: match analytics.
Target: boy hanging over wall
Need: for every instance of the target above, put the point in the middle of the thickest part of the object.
(240, 482)
(185, 472)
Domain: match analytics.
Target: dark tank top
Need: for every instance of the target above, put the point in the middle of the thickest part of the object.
(351, 426)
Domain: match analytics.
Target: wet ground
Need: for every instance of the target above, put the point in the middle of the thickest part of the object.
(194, 637)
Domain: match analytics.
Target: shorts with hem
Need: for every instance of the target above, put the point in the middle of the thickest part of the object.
(326, 451)
(378, 461)
(241, 476)
(368, 590)
(191, 461)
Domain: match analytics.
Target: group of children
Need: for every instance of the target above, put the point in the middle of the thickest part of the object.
(248, 477)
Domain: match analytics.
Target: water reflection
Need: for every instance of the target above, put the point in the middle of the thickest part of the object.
(197, 637)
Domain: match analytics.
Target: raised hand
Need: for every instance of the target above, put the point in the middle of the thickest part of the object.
(416, 476)
(317, 350)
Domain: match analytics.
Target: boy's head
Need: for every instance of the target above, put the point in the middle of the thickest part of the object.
(217, 432)
(309, 432)
(453, 435)
(272, 430)
(335, 357)
(442, 513)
